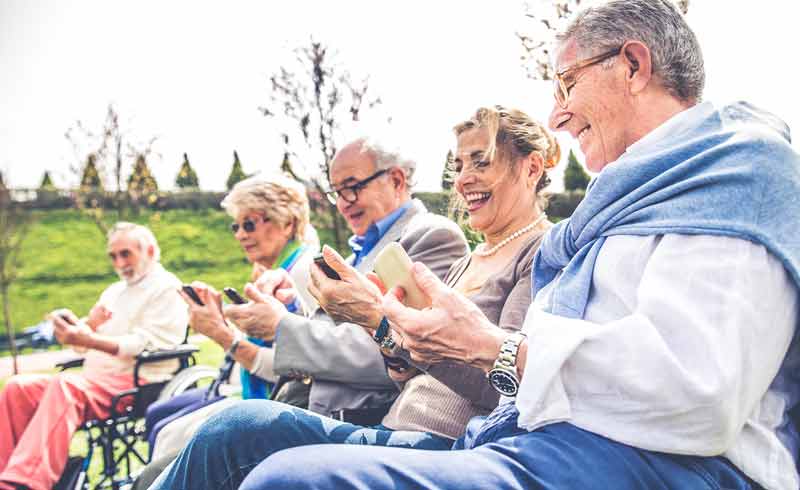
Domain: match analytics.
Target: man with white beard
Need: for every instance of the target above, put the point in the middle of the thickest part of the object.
(39, 413)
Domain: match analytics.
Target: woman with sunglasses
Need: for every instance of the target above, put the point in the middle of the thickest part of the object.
(271, 223)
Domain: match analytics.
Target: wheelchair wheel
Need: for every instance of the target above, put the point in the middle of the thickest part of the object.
(187, 379)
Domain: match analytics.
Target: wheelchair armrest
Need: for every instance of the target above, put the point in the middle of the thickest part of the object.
(180, 352)
(70, 363)
(183, 352)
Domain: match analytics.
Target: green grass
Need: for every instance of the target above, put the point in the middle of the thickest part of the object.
(64, 263)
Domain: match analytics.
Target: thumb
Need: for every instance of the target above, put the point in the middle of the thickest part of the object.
(374, 279)
(394, 310)
(336, 262)
(285, 296)
(427, 281)
(252, 292)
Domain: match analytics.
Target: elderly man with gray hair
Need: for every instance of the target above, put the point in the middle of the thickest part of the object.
(350, 389)
(39, 413)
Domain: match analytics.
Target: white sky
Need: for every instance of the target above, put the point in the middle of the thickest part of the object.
(194, 73)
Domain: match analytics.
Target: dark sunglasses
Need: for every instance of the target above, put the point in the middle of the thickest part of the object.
(248, 225)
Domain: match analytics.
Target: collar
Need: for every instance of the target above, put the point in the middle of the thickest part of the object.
(671, 124)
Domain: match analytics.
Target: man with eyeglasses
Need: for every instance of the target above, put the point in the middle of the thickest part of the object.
(39, 413)
(660, 350)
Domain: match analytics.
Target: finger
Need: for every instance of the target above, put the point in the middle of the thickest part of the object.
(189, 301)
(313, 289)
(337, 262)
(427, 281)
(270, 280)
(376, 281)
(286, 296)
(398, 292)
(234, 312)
(252, 292)
(317, 276)
(399, 315)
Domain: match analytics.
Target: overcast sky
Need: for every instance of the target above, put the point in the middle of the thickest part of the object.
(194, 73)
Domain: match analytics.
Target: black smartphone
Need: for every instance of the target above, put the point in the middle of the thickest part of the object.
(328, 270)
(192, 294)
(234, 296)
(66, 318)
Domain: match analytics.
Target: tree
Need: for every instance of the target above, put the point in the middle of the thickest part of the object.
(237, 174)
(545, 18)
(14, 225)
(447, 173)
(187, 177)
(575, 177)
(47, 183)
(141, 180)
(310, 99)
(90, 177)
(109, 151)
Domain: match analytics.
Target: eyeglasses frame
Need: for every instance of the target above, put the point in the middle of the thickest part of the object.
(560, 86)
(334, 194)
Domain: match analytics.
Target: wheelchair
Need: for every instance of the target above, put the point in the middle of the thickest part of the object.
(116, 437)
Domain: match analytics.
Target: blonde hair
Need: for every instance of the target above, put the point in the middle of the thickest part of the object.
(277, 197)
(514, 133)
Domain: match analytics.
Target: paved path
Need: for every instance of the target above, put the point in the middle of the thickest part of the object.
(47, 360)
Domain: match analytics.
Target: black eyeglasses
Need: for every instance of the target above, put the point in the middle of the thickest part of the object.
(248, 225)
(350, 192)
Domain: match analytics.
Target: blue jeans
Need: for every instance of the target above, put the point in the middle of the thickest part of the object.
(555, 457)
(230, 444)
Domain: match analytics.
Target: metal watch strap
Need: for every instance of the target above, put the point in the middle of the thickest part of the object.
(507, 358)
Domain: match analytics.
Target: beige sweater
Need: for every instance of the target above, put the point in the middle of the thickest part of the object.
(443, 398)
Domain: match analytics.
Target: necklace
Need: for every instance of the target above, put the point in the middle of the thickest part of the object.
(480, 252)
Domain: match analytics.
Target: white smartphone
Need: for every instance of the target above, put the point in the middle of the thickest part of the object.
(393, 267)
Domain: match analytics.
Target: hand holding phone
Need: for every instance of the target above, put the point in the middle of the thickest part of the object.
(393, 267)
(192, 294)
(328, 270)
(234, 296)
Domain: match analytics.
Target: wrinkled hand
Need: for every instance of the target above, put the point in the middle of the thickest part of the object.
(71, 332)
(451, 328)
(277, 283)
(207, 319)
(355, 298)
(260, 317)
(98, 315)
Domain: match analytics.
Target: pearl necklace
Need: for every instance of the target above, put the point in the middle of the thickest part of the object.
(485, 253)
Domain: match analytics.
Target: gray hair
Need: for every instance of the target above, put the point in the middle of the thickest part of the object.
(141, 234)
(386, 158)
(676, 56)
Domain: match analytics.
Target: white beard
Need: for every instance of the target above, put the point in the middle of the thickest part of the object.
(139, 271)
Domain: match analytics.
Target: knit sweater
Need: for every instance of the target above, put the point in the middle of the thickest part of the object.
(443, 398)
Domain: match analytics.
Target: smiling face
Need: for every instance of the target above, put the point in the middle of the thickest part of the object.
(599, 112)
(264, 244)
(495, 191)
(377, 199)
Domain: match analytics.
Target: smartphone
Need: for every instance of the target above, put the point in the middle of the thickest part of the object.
(66, 318)
(328, 270)
(192, 294)
(234, 296)
(393, 267)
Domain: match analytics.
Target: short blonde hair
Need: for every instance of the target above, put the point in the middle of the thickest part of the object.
(276, 197)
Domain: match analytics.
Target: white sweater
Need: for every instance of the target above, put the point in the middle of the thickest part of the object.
(147, 315)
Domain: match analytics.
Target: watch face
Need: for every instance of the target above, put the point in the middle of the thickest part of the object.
(504, 382)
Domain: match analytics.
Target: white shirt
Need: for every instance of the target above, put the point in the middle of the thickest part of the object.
(147, 315)
(681, 340)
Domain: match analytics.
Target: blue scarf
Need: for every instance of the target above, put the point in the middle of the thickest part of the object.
(726, 172)
(254, 386)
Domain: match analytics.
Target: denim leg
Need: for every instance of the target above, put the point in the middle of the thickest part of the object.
(230, 444)
(556, 457)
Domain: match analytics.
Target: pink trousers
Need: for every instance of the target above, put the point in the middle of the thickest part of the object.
(38, 416)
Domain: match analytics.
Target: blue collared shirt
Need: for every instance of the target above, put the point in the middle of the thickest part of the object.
(363, 245)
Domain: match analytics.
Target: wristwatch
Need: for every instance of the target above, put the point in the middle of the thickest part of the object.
(503, 376)
(382, 333)
(234, 345)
